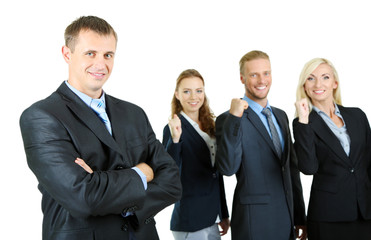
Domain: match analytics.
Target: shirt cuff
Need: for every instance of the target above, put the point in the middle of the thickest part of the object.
(142, 176)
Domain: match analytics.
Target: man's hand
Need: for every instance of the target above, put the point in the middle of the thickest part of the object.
(224, 225)
(143, 167)
(238, 106)
(146, 170)
(82, 164)
(175, 128)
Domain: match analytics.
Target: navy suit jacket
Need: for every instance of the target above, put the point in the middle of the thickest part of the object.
(78, 205)
(203, 188)
(341, 187)
(268, 198)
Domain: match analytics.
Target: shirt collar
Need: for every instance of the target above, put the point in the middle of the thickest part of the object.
(256, 106)
(85, 98)
(193, 123)
(337, 111)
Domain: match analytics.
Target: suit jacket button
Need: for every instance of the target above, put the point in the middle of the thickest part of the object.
(352, 170)
(119, 167)
(214, 175)
(125, 227)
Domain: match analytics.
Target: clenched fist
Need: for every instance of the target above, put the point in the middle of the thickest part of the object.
(302, 108)
(238, 106)
(175, 128)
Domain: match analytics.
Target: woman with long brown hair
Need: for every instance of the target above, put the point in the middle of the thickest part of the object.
(190, 139)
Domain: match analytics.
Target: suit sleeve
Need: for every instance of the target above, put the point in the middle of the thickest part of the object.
(305, 148)
(50, 155)
(228, 137)
(223, 201)
(297, 190)
(174, 149)
(165, 188)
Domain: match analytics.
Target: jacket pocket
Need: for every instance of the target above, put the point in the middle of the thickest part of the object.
(255, 199)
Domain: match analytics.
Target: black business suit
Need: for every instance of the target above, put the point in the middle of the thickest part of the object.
(341, 187)
(268, 198)
(203, 197)
(78, 205)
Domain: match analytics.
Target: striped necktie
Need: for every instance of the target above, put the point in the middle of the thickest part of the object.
(274, 133)
(99, 108)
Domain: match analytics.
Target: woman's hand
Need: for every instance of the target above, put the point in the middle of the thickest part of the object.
(302, 108)
(175, 128)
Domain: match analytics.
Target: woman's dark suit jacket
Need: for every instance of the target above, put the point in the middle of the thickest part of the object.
(203, 187)
(341, 184)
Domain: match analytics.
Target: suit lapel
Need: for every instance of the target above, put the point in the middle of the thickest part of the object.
(116, 118)
(352, 130)
(86, 115)
(192, 131)
(197, 139)
(327, 136)
(282, 122)
(255, 120)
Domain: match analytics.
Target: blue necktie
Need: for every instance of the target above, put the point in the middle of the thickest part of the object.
(272, 128)
(99, 107)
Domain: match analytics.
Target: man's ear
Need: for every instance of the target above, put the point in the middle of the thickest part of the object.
(66, 52)
(242, 78)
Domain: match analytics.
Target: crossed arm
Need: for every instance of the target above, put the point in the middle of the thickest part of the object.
(143, 167)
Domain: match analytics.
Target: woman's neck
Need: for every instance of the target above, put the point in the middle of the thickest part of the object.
(194, 116)
(327, 107)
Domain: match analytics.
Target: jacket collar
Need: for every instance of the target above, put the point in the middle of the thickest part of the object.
(328, 137)
(255, 120)
(89, 118)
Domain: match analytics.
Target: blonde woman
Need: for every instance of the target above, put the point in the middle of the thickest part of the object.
(332, 143)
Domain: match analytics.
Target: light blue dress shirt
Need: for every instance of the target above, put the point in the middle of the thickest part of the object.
(258, 110)
(87, 100)
(340, 132)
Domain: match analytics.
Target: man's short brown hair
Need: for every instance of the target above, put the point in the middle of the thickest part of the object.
(86, 23)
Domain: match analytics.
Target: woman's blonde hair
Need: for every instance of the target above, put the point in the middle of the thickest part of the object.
(206, 116)
(308, 68)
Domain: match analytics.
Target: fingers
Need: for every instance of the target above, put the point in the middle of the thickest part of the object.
(82, 164)
(224, 225)
(302, 109)
(301, 232)
(175, 128)
(146, 170)
(238, 106)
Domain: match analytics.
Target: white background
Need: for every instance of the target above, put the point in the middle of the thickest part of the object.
(157, 40)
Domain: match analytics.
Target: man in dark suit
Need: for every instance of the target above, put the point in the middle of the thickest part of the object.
(127, 177)
(254, 142)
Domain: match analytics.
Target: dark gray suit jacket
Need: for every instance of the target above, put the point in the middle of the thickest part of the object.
(78, 205)
(268, 198)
